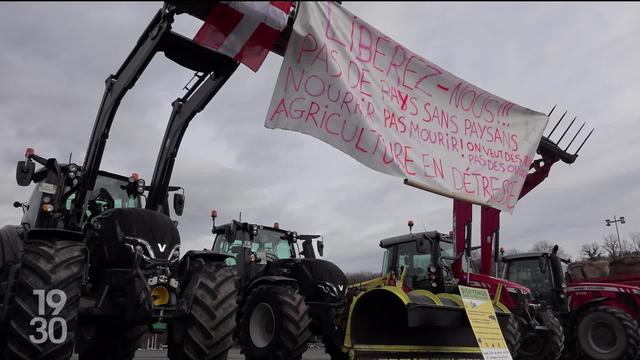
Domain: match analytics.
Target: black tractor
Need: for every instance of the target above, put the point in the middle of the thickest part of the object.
(89, 267)
(286, 294)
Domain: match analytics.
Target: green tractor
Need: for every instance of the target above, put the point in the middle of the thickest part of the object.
(286, 294)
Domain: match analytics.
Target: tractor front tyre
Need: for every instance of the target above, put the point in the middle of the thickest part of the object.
(548, 345)
(46, 300)
(333, 345)
(275, 324)
(115, 343)
(607, 333)
(512, 336)
(207, 330)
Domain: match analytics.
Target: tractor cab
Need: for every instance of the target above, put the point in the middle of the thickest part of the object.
(419, 260)
(543, 273)
(258, 245)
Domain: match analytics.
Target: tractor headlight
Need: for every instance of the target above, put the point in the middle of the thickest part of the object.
(159, 295)
(432, 269)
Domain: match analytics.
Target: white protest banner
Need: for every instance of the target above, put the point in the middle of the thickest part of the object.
(347, 84)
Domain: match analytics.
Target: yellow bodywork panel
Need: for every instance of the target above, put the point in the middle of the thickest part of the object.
(436, 300)
(453, 297)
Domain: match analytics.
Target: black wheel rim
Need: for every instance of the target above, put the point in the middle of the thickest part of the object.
(602, 337)
(262, 325)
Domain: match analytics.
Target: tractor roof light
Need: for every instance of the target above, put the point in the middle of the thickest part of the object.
(276, 225)
(29, 152)
(134, 177)
(214, 214)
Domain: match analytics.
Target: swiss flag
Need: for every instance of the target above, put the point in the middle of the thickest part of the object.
(244, 30)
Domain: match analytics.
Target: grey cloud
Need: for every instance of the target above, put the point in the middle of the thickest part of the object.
(56, 57)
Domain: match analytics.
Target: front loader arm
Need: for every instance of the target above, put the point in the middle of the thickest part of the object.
(116, 87)
(184, 110)
(550, 152)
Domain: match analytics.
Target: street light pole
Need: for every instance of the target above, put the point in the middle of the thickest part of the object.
(616, 221)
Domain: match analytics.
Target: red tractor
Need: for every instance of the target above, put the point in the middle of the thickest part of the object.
(543, 336)
(600, 319)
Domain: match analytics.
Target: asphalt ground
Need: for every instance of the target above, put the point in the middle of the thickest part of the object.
(234, 354)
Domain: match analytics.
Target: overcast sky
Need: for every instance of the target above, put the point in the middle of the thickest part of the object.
(54, 58)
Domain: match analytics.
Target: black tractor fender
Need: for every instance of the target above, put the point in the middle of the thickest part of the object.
(58, 234)
(206, 255)
(271, 280)
(11, 245)
(190, 256)
(11, 249)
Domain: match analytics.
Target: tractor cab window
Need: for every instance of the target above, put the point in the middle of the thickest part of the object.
(221, 245)
(415, 265)
(271, 241)
(527, 272)
(108, 193)
(385, 262)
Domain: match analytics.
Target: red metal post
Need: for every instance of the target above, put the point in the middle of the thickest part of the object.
(462, 217)
(489, 229)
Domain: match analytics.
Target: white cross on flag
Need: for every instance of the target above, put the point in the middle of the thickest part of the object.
(244, 30)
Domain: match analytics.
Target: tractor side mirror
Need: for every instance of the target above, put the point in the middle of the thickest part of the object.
(422, 245)
(320, 246)
(24, 172)
(178, 203)
(542, 264)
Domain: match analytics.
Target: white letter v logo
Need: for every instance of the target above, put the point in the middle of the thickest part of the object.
(162, 247)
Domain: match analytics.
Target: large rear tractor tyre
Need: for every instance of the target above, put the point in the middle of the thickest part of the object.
(275, 324)
(512, 336)
(115, 343)
(547, 345)
(607, 333)
(207, 331)
(55, 269)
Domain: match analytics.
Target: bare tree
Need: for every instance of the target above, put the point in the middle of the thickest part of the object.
(627, 246)
(512, 251)
(591, 251)
(546, 246)
(361, 276)
(610, 245)
(542, 245)
(635, 240)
